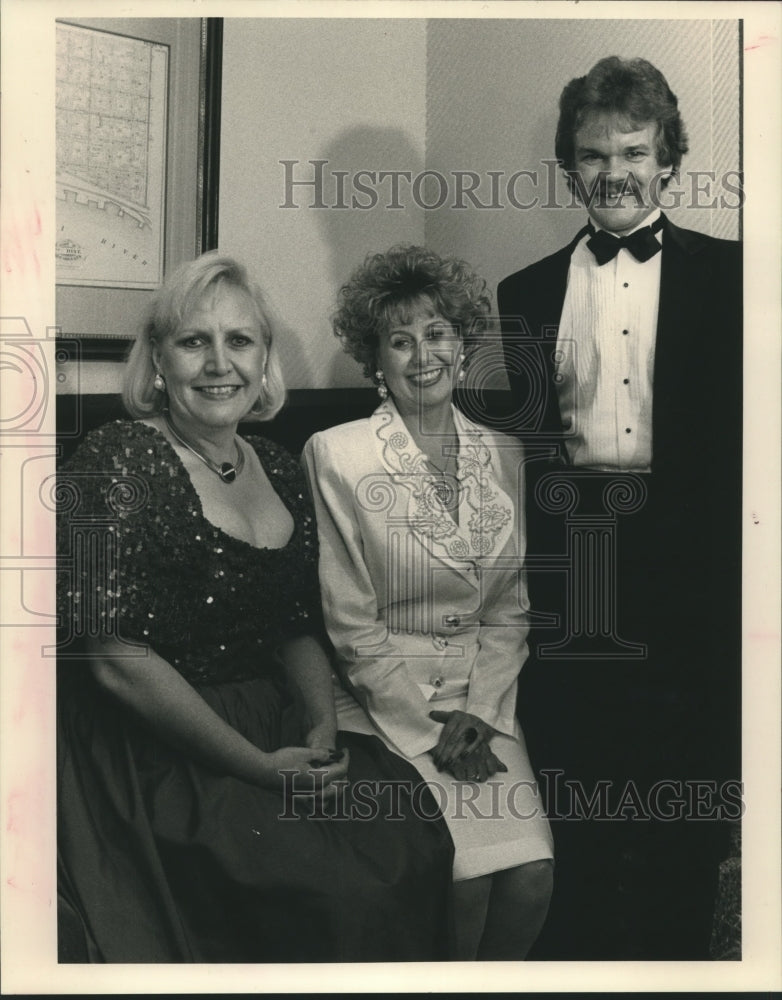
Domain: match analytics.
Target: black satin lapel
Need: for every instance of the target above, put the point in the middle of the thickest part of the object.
(543, 316)
(677, 325)
(554, 290)
(531, 304)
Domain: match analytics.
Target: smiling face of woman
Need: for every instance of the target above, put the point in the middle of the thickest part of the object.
(213, 363)
(419, 359)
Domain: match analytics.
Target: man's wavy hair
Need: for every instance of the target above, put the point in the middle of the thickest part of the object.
(170, 306)
(635, 90)
(389, 287)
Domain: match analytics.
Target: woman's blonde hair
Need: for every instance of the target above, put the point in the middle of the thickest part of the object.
(165, 313)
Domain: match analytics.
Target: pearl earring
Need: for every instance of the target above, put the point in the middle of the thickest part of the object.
(260, 403)
(382, 388)
(159, 382)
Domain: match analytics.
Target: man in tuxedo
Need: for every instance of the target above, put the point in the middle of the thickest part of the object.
(624, 354)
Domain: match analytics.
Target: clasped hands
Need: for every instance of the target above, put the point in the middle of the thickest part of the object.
(290, 769)
(463, 748)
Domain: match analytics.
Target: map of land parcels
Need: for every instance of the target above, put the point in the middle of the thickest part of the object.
(111, 158)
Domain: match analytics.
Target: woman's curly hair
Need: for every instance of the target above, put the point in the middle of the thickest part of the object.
(387, 288)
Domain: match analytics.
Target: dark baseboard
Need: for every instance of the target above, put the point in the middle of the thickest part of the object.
(306, 411)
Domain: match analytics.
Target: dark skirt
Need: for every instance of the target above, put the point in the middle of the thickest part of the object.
(161, 859)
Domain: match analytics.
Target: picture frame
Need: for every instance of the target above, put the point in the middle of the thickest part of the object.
(100, 323)
(111, 118)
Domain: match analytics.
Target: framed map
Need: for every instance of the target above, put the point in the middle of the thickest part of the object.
(111, 158)
(137, 154)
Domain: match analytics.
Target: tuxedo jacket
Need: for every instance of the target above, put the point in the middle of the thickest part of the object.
(692, 518)
(417, 605)
(697, 383)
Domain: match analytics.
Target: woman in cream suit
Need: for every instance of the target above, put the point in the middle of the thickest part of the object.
(421, 554)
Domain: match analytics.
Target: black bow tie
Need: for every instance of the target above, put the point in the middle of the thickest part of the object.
(642, 244)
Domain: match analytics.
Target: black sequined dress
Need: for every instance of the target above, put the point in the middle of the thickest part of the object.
(160, 858)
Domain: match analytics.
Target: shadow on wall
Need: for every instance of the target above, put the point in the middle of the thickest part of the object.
(379, 209)
(502, 225)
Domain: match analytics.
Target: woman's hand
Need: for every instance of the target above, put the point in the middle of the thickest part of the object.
(290, 769)
(462, 734)
(157, 693)
(478, 766)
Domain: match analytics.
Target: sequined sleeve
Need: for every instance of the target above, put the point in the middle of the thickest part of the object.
(108, 518)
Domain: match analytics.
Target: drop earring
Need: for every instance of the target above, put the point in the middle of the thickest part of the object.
(382, 388)
(462, 371)
(260, 403)
(159, 382)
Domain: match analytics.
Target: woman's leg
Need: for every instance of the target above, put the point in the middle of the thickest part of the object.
(470, 903)
(518, 904)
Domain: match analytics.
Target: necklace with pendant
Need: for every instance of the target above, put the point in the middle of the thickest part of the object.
(445, 493)
(445, 485)
(226, 471)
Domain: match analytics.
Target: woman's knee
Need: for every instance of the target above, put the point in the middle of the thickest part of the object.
(534, 881)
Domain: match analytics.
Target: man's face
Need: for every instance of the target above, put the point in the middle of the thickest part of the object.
(619, 165)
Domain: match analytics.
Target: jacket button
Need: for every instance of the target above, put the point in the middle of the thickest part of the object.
(452, 621)
(437, 681)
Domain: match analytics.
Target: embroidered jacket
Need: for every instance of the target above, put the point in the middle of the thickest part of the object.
(420, 604)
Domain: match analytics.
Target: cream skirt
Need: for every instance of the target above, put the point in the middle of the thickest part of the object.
(495, 825)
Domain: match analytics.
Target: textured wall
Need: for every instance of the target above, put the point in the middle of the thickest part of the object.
(492, 103)
(441, 95)
(414, 94)
(348, 91)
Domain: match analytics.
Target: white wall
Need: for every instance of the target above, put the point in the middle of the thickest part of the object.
(492, 103)
(352, 92)
(412, 94)
(438, 94)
